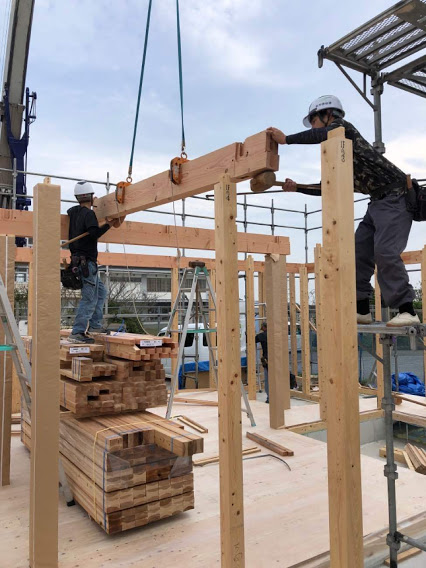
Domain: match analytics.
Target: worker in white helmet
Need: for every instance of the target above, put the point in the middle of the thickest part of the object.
(382, 235)
(84, 255)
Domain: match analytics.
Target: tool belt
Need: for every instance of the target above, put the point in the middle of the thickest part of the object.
(415, 199)
(71, 275)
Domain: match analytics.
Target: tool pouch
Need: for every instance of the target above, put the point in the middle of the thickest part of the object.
(415, 199)
(70, 278)
(84, 267)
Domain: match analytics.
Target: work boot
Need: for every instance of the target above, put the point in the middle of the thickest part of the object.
(403, 319)
(103, 330)
(80, 338)
(364, 318)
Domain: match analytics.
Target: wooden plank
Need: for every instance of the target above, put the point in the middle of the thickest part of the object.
(240, 160)
(401, 556)
(379, 346)
(293, 326)
(277, 313)
(304, 325)
(19, 223)
(229, 377)
(250, 330)
(340, 350)
(45, 384)
(213, 336)
(215, 459)
(270, 444)
(175, 323)
(412, 257)
(7, 270)
(398, 455)
(320, 326)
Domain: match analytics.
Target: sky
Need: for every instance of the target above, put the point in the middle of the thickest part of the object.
(247, 65)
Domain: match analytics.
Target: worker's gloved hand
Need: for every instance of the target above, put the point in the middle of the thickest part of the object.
(277, 135)
(115, 222)
(289, 185)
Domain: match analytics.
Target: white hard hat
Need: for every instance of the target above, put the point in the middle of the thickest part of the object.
(323, 103)
(83, 188)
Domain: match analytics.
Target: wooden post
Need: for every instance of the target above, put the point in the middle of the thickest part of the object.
(7, 270)
(379, 346)
(320, 327)
(250, 330)
(278, 370)
(174, 292)
(45, 385)
(229, 376)
(424, 302)
(293, 326)
(304, 324)
(340, 350)
(212, 325)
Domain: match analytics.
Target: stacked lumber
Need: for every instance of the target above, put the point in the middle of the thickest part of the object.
(126, 471)
(97, 379)
(417, 457)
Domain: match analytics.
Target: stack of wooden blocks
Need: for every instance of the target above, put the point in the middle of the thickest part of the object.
(417, 457)
(126, 471)
(117, 374)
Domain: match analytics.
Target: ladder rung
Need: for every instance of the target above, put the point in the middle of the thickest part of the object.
(22, 376)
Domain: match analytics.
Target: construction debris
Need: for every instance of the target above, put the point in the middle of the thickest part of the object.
(418, 457)
(270, 444)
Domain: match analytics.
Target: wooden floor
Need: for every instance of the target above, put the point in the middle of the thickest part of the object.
(286, 520)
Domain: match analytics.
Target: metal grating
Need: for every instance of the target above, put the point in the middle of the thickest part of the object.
(388, 38)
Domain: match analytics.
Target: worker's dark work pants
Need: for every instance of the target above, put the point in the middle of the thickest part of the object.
(380, 239)
(93, 296)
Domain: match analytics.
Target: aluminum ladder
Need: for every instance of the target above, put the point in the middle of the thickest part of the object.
(196, 310)
(15, 346)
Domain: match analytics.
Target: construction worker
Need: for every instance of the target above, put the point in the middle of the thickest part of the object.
(383, 233)
(262, 338)
(84, 255)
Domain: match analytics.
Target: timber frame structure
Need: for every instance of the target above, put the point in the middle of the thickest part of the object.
(335, 271)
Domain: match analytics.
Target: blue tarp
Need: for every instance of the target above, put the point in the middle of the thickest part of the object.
(409, 383)
(202, 366)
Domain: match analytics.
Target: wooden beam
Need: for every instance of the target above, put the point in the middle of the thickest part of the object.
(250, 330)
(7, 270)
(239, 160)
(320, 337)
(270, 444)
(229, 377)
(45, 385)
(379, 347)
(213, 336)
(304, 325)
(19, 223)
(277, 314)
(340, 351)
(293, 326)
(175, 323)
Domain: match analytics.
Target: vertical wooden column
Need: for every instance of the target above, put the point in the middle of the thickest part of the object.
(304, 324)
(229, 376)
(45, 385)
(174, 292)
(250, 329)
(293, 326)
(424, 302)
(212, 325)
(379, 346)
(340, 350)
(320, 326)
(278, 370)
(7, 270)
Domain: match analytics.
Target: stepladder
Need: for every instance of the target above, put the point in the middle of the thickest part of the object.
(193, 316)
(15, 346)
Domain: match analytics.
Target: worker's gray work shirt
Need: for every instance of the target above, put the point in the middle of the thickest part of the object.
(374, 174)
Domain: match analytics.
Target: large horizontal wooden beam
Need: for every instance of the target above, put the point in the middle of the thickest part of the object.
(19, 223)
(241, 161)
(119, 259)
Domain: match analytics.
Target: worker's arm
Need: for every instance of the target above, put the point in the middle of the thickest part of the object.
(97, 232)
